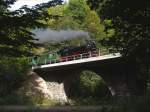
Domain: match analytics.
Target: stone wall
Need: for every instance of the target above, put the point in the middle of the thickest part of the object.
(57, 91)
(36, 85)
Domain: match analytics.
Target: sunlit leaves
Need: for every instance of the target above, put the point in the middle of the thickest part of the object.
(15, 27)
(78, 16)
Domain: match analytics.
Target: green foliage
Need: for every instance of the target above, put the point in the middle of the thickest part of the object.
(88, 89)
(89, 85)
(20, 99)
(15, 27)
(12, 71)
(77, 16)
(130, 19)
(94, 26)
(14, 99)
(39, 99)
(77, 9)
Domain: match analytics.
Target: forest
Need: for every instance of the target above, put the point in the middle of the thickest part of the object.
(120, 25)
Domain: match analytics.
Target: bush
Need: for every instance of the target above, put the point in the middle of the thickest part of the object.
(88, 85)
(92, 85)
(12, 71)
(88, 89)
(14, 99)
(17, 99)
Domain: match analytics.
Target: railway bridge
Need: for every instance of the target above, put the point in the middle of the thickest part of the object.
(116, 71)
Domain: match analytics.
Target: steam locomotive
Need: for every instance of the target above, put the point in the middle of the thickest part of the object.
(67, 53)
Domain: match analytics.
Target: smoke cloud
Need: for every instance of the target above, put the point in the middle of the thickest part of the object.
(48, 35)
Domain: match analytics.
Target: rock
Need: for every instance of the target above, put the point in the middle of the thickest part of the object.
(57, 91)
(36, 85)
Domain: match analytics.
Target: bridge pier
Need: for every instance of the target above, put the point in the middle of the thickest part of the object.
(70, 78)
(120, 77)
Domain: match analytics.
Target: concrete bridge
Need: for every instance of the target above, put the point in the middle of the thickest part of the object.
(116, 71)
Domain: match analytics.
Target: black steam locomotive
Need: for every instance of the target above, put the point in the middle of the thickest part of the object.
(86, 50)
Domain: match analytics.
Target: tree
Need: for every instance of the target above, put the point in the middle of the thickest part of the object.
(131, 20)
(78, 16)
(15, 27)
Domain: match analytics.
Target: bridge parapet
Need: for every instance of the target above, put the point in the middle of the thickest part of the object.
(45, 60)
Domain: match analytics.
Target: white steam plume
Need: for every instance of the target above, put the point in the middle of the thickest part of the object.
(48, 35)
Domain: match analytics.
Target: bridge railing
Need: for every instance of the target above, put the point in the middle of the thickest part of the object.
(96, 53)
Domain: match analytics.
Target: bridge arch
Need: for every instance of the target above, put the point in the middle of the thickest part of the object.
(86, 84)
(118, 73)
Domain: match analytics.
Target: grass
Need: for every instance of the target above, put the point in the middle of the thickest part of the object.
(126, 104)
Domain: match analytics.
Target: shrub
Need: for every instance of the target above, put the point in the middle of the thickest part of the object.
(12, 72)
